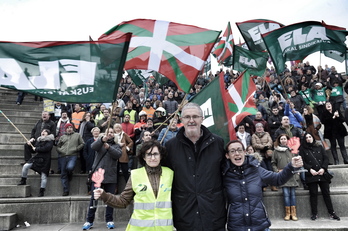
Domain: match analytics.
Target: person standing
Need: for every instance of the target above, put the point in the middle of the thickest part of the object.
(150, 188)
(195, 155)
(76, 117)
(41, 162)
(126, 144)
(43, 123)
(243, 179)
(316, 162)
(68, 148)
(335, 131)
(106, 157)
(281, 157)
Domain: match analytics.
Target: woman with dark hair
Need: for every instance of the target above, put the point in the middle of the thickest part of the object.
(149, 187)
(335, 131)
(316, 162)
(243, 178)
(41, 162)
(281, 157)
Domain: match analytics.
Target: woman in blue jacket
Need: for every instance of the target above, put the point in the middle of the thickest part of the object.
(243, 178)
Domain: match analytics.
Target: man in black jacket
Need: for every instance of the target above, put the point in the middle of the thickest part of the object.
(195, 155)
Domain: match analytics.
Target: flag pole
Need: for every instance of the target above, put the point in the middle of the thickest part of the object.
(182, 104)
(16, 128)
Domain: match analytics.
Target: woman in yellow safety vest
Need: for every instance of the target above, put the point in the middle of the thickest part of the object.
(150, 187)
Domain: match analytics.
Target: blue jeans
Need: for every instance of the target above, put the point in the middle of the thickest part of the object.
(25, 170)
(109, 210)
(67, 164)
(289, 195)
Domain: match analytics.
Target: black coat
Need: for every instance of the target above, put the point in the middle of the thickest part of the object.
(198, 199)
(42, 160)
(314, 157)
(243, 187)
(333, 127)
(108, 162)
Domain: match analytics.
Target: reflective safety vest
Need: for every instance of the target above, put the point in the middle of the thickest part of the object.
(151, 213)
(131, 115)
(76, 119)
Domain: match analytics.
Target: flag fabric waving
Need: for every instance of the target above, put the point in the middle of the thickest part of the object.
(77, 72)
(175, 50)
(224, 48)
(211, 102)
(253, 29)
(254, 61)
(238, 101)
(299, 40)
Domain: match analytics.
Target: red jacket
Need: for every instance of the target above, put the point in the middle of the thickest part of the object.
(128, 128)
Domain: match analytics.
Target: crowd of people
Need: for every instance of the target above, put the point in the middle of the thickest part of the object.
(154, 140)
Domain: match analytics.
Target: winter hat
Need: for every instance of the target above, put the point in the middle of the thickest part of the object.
(67, 125)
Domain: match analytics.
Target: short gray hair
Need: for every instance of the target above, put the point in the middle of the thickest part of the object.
(192, 105)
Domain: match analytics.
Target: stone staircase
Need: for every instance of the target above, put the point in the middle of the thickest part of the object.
(20, 203)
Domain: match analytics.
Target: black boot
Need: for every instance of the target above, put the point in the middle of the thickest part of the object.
(42, 192)
(23, 181)
(345, 157)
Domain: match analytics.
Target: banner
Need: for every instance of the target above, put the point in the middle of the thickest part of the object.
(297, 41)
(254, 61)
(76, 72)
(253, 29)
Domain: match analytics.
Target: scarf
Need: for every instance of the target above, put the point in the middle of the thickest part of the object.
(242, 137)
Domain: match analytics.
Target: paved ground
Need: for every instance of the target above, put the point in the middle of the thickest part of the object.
(302, 224)
(120, 226)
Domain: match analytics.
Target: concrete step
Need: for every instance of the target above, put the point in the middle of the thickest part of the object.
(14, 191)
(275, 206)
(50, 210)
(54, 186)
(8, 221)
(23, 111)
(306, 224)
(35, 106)
(21, 120)
(13, 138)
(8, 128)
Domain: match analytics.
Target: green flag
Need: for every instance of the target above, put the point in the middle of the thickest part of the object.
(139, 76)
(77, 72)
(254, 61)
(297, 41)
(336, 55)
(253, 29)
(210, 100)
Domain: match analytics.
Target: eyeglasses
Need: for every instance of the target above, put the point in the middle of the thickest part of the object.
(150, 155)
(194, 117)
(234, 151)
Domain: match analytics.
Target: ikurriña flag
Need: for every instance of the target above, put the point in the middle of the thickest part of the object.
(177, 51)
(252, 30)
(224, 48)
(299, 40)
(238, 101)
(66, 71)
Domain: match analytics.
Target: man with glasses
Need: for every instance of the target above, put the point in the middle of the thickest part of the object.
(195, 155)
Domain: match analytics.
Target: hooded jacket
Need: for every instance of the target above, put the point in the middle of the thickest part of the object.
(42, 160)
(243, 186)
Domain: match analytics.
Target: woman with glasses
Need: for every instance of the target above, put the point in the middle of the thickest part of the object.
(150, 187)
(243, 179)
